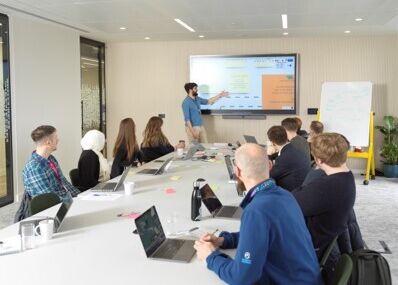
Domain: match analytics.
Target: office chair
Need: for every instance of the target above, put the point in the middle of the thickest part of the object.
(43, 202)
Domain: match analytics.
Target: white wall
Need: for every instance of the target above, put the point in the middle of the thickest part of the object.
(45, 80)
(145, 79)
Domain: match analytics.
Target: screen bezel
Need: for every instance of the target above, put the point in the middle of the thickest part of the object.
(255, 112)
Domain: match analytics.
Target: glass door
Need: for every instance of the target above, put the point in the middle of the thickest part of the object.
(6, 175)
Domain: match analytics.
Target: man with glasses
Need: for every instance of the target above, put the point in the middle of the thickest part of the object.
(192, 114)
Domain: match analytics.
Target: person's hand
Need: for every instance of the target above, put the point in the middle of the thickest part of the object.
(196, 134)
(203, 249)
(215, 240)
(224, 94)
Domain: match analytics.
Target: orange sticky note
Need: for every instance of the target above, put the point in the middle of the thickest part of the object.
(170, 191)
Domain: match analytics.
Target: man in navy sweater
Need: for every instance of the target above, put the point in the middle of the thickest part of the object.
(273, 245)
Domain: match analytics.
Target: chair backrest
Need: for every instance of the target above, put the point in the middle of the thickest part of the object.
(43, 201)
(74, 177)
(327, 253)
(343, 270)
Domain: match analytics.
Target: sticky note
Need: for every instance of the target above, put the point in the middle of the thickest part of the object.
(132, 215)
(131, 173)
(175, 178)
(211, 160)
(214, 187)
(170, 191)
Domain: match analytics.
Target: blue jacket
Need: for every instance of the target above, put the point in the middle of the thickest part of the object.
(273, 245)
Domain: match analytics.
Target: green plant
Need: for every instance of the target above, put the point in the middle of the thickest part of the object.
(389, 150)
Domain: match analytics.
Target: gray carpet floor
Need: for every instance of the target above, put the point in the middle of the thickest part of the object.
(376, 208)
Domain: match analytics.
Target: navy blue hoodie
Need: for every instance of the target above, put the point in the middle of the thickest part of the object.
(273, 245)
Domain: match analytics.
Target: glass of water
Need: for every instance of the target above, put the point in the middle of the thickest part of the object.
(28, 236)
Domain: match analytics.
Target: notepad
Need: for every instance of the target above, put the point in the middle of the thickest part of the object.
(10, 245)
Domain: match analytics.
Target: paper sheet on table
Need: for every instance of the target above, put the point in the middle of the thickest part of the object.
(175, 178)
(100, 196)
(10, 245)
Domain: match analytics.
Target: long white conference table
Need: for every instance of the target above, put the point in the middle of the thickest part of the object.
(95, 246)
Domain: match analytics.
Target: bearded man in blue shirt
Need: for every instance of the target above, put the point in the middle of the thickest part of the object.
(192, 113)
(273, 245)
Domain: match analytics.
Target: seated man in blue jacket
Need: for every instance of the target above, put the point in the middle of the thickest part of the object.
(273, 244)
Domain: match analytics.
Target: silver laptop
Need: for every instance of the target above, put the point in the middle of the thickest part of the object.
(252, 139)
(230, 168)
(155, 243)
(215, 207)
(112, 186)
(157, 171)
(59, 217)
(192, 150)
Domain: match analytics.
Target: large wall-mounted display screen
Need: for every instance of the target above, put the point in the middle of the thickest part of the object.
(257, 84)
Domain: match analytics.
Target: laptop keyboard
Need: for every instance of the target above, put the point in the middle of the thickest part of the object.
(169, 249)
(227, 211)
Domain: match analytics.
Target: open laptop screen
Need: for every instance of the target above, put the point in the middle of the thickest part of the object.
(62, 211)
(230, 167)
(210, 199)
(150, 230)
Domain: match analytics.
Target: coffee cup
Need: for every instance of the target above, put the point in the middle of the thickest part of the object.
(180, 152)
(129, 187)
(46, 229)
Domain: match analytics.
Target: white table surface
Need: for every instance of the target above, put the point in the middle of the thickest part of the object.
(97, 247)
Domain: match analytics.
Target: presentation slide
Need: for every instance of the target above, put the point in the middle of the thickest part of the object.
(258, 82)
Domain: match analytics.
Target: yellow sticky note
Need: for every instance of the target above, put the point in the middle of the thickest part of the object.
(211, 160)
(131, 173)
(219, 161)
(214, 187)
(175, 178)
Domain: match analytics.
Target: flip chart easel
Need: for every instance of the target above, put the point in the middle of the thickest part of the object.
(368, 154)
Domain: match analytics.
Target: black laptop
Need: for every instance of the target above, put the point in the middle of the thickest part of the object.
(215, 207)
(252, 139)
(155, 243)
(157, 171)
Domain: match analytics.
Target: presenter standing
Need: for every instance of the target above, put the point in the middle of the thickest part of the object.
(192, 115)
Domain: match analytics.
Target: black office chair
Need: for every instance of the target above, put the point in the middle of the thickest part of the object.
(43, 201)
(343, 270)
(74, 177)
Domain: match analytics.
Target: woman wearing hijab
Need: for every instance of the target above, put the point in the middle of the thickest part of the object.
(93, 166)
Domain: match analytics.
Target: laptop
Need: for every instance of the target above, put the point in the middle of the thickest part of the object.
(112, 186)
(192, 150)
(215, 207)
(59, 217)
(252, 139)
(230, 168)
(155, 243)
(157, 171)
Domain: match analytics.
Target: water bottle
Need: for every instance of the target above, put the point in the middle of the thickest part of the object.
(196, 201)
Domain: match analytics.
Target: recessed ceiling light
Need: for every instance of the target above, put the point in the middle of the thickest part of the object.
(147, 38)
(285, 34)
(123, 28)
(358, 19)
(347, 32)
(201, 36)
(284, 21)
(184, 25)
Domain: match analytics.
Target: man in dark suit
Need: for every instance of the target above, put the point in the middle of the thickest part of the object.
(291, 165)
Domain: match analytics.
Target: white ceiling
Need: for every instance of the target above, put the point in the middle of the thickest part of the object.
(215, 19)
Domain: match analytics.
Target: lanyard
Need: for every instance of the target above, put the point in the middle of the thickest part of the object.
(267, 184)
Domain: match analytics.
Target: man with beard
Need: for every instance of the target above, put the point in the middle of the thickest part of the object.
(192, 115)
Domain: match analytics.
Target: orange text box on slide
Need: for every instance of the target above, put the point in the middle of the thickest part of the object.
(278, 92)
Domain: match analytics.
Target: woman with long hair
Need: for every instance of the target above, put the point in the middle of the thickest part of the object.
(155, 143)
(126, 151)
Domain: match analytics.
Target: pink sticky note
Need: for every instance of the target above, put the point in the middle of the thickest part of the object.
(132, 215)
(170, 191)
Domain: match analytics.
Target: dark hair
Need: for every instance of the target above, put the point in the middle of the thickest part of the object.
(277, 135)
(41, 132)
(316, 127)
(189, 86)
(290, 124)
(126, 137)
(299, 124)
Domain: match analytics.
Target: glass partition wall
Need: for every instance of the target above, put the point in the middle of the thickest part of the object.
(92, 66)
(6, 175)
